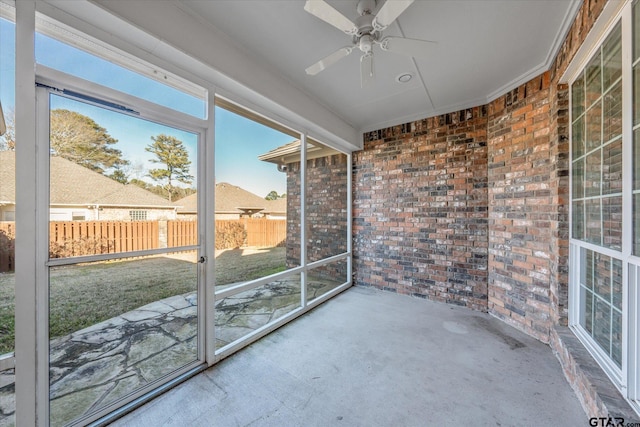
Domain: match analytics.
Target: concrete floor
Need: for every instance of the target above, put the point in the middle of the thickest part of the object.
(371, 358)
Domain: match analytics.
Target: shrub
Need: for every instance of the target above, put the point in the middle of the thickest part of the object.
(231, 236)
(7, 250)
(85, 245)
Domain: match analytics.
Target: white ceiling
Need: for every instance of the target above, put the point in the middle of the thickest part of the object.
(485, 48)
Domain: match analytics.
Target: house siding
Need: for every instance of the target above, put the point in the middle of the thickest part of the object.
(122, 214)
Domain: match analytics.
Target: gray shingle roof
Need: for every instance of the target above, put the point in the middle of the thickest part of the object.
(72, 184)
(229, 199)
(278, 206)
(290, 153)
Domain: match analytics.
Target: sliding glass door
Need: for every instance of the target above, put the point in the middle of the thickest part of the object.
(123, 268)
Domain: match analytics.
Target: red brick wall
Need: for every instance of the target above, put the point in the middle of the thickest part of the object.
(420, 209)
(408, 220)
(559, 186)
(409, 199)
(559, 153)
(520, 209)
(326, 205)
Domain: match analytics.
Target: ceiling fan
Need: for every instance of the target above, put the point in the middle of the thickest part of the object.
(367, 32)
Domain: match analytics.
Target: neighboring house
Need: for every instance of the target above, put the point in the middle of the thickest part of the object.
(287, 159)
(290, 153)
(78, 193)
(276, 209)
(325, 201)
(233, 202)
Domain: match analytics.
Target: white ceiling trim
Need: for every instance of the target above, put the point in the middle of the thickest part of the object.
(567, 21)
(517, 82)
(425, 114)
(559, 39)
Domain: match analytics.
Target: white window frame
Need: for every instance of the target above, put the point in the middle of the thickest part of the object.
(627, 377)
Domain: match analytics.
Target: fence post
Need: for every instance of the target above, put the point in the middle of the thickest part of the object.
(162, 233)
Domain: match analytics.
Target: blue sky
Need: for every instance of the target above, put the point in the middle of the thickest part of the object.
(238, 140)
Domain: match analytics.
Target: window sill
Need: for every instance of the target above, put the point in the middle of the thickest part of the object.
(597, 394)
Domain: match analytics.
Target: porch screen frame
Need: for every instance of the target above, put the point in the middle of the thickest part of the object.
(32, 394)
(250, 111)
(50, 81)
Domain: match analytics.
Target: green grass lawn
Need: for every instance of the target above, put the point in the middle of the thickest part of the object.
(84, 294)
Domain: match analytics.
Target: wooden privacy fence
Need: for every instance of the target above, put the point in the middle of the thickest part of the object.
(264, 232)
(76, 238)
(182, 233)
(260, 232)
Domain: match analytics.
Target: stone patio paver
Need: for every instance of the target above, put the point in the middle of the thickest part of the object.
(98, 365)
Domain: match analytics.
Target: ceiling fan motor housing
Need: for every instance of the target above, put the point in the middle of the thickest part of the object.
(366, 7)
(364, 24)
(366, 35)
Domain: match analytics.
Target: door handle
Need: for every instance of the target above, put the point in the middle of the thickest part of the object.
(202, 260)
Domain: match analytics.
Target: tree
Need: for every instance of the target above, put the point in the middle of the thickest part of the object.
(170, 152)
(8, 140)
(177, 193)
(120, 176)
(80, 139)
(140, 183)
(273, 195)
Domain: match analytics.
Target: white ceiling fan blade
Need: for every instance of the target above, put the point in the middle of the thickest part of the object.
(322, 10)
(389, 12)
(328, 61)
(409, 47)
(366, 69)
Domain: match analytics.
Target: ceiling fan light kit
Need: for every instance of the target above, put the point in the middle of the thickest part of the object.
(366, 32)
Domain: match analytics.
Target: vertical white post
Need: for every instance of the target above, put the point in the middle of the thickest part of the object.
(303, 218)
(633, 365)
(572, 301)
(208, 184)
(28, 408)
(349, 218)
(628, 306)
(42, 253)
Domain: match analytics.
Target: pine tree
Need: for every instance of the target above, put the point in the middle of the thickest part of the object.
(80, 139)
(170, 152)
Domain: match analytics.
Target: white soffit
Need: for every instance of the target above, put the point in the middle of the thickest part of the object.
(140, 30)
(258, 50)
